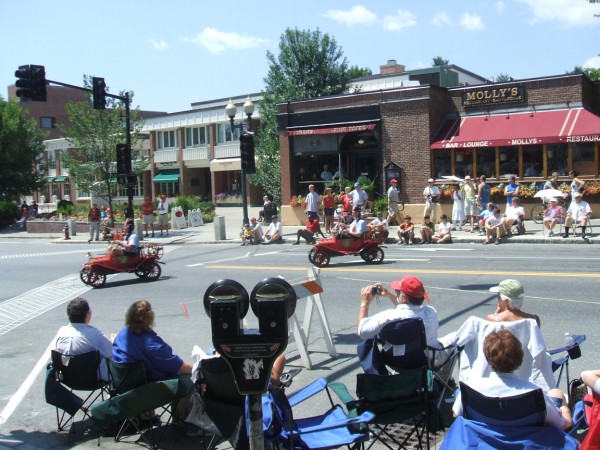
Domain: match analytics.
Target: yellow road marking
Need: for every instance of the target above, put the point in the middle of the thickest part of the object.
(429, 271)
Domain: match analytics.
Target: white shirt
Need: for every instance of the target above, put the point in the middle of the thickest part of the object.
(508, 385)
(445, 226)
(258, 227)
(371, 326)
(326, 175)
(514, 212)
(358, 197)
(78, 338)
(432, 191)
(163, 206)
(312, 201)
(377, 222)
(392, 195)
(579, 210)
(275, 227)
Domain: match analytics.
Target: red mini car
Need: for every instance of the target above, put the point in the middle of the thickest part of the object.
(369, 249)
(145, 265)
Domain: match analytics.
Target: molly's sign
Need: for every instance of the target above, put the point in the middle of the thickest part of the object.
(499, 95)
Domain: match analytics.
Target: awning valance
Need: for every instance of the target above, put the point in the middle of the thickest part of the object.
(166, 176)
(225, 164)
(61, 179)
(49, 179)
(529, 128)
(346, 128)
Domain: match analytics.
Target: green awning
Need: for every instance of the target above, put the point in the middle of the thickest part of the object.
(166, 176)
(61, 179)
(49, 179)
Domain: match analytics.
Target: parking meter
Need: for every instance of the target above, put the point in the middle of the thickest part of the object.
(250, 353)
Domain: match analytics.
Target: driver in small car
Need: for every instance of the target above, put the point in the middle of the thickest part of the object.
(355, 229)
(130, 244)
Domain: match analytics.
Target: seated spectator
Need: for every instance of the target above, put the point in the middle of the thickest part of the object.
(427, 230)
(247, 235)
(313, 227)
(406, 231)
(592, 438)
(137, 341)
(80, 337)
(504, 354)
(356, 228)
(514, 213)
(552, 216)
(577, 215)
(379, 226)
(510, 301)
(257, 230)
(483, 216)
(444, 233)
(274, 232)
(494, 227)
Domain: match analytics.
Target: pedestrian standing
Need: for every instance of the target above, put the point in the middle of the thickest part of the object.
(431, 193)
(148, 212)
(312, 202)
(458, 208)
(94, 220)
(24, 214)
(393, 200)
(163, 214)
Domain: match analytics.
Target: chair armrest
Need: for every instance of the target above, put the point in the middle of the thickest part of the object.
(365, 417)
(341, 391)
(314, 388)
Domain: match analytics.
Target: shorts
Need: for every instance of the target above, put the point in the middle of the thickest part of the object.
(163, 219)
(329, 211)
(148, 219)
(469, 208)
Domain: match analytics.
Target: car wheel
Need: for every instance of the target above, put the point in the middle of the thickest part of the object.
(96, 279)
(321, 258)
(84, 275)
(372, 255)
(153, 271)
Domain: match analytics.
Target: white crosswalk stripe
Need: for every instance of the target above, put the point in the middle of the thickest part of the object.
(29, 255)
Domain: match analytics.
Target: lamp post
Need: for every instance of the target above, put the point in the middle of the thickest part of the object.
(231, 111)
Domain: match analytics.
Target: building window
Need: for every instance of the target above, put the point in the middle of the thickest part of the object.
(558, 158)
(583, 158)
(47, 123)
(167, 139)
(533, 160)
(51, 160)
(224, 133)
(195, 137)
(509, 161)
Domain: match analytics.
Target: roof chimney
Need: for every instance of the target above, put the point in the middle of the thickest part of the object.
(391, 67)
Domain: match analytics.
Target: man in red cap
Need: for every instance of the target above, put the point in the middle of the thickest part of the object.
(148, 212)
(408, 295)
(393, 200)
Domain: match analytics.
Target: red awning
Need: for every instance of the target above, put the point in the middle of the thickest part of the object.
(530, 128)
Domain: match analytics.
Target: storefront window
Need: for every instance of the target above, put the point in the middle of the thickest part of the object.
(486, 162)
(583, 158)
(509, 161)
(463, 163)
(533, 161)
(558, 159)
(441, 163)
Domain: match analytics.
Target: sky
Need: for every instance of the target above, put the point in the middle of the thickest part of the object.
(172, 54)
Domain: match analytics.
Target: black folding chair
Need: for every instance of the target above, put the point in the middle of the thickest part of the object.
(74, 373)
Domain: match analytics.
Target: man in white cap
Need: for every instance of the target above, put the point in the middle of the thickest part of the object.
(577, 215)
(431, 193)
(393, 202)
(359, 197)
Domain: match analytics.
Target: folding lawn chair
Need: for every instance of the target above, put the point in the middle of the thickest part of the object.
(133, 398)
(515, 422)
(68, 374)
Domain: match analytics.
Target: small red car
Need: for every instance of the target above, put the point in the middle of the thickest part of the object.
(145, 265)
(369, 249)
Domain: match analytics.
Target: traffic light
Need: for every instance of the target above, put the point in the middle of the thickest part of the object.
(99, 93)
(24, 82)
(37, 83)
(122, 159)
(247, 151)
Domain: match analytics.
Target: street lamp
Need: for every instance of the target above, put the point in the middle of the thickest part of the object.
(231, 111)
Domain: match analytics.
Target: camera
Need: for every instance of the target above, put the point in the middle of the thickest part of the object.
(376, 289)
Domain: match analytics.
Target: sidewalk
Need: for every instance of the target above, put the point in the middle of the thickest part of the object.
(206, 234)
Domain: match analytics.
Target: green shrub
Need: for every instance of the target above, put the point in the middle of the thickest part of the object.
(9, 211)
(65, 207)
(381, 204)
(207, 209)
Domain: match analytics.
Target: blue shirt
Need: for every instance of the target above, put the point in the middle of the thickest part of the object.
(158, 357)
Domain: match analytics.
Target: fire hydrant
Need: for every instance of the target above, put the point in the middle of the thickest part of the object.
(66, 230)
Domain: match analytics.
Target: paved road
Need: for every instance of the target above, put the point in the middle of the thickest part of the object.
(561, 283)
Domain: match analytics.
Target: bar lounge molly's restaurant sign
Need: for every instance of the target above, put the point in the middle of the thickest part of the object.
(499, 95)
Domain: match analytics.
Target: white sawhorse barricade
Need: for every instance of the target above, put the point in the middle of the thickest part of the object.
(311, 291)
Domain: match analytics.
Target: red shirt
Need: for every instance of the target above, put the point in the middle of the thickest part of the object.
(328, 201)
(313, 225)
(347, 202)
(148, 208)
(94, 215)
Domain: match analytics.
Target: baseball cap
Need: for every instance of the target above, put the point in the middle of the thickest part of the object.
(430, 180)
(512, 289)
(410, 285)
(468, 177)
(356, 184)
(393, 180)
(253, 219)
(577, 194)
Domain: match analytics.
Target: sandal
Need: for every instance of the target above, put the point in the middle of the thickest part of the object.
(497, 241)
(486, 242)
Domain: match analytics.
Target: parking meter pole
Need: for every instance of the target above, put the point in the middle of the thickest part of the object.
(256, 426)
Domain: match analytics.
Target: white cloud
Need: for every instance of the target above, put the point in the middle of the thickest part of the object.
(358, 15)
(217, 41)
(568, 13)
(592, 63)
(158, 45)
(402, 19)
(471, 22)
(500, 6)
(442, 19)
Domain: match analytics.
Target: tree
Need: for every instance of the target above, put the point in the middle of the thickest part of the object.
(592, 73)
(310, 64)
(438, 61)
(502, 78)
(21, 151)
(94, 135)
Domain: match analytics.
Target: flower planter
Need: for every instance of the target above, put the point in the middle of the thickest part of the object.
(292, 215)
